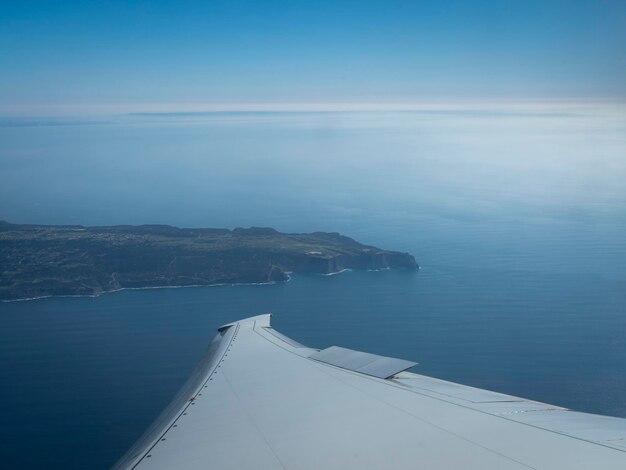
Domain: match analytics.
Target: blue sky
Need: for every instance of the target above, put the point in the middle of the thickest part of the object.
(148, 55)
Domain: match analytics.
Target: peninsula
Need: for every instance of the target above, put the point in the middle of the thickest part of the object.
(50, 260)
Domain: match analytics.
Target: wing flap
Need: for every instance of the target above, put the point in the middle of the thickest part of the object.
(382, 367)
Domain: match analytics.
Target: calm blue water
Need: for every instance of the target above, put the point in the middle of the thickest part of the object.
(518, 220)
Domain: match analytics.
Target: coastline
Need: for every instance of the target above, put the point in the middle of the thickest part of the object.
(335, 272)
(93, 296)
(223, 284)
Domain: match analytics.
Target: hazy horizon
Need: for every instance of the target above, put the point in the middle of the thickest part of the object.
(529, 105)
(140, 164)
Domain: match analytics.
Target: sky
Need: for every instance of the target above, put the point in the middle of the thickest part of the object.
(108, 56)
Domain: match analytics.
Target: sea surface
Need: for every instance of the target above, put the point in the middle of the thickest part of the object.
(517, 217)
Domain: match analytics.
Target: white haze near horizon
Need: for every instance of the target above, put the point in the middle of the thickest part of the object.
(481, 180)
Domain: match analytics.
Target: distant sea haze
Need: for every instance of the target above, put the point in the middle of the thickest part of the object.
(517, 219)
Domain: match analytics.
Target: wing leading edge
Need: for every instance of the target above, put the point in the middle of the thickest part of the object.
(261, 400)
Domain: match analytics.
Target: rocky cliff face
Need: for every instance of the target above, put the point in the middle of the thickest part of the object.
(37, 261)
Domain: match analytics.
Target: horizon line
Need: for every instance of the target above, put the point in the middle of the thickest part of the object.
(99, 109)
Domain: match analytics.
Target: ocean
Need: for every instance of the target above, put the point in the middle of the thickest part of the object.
(517, 217)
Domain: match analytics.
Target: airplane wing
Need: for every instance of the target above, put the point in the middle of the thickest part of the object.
(259, 400)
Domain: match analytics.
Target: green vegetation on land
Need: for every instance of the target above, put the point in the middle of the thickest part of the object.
(47, 260)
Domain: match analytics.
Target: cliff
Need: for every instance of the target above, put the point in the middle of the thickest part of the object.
(42, 260)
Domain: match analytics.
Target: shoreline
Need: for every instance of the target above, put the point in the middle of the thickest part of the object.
(336, 272)
(223, 284)
(93, 296)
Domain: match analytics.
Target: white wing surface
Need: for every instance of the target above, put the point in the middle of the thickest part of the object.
(259, 400)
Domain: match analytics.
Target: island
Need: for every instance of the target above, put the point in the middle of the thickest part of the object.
(60, 260)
